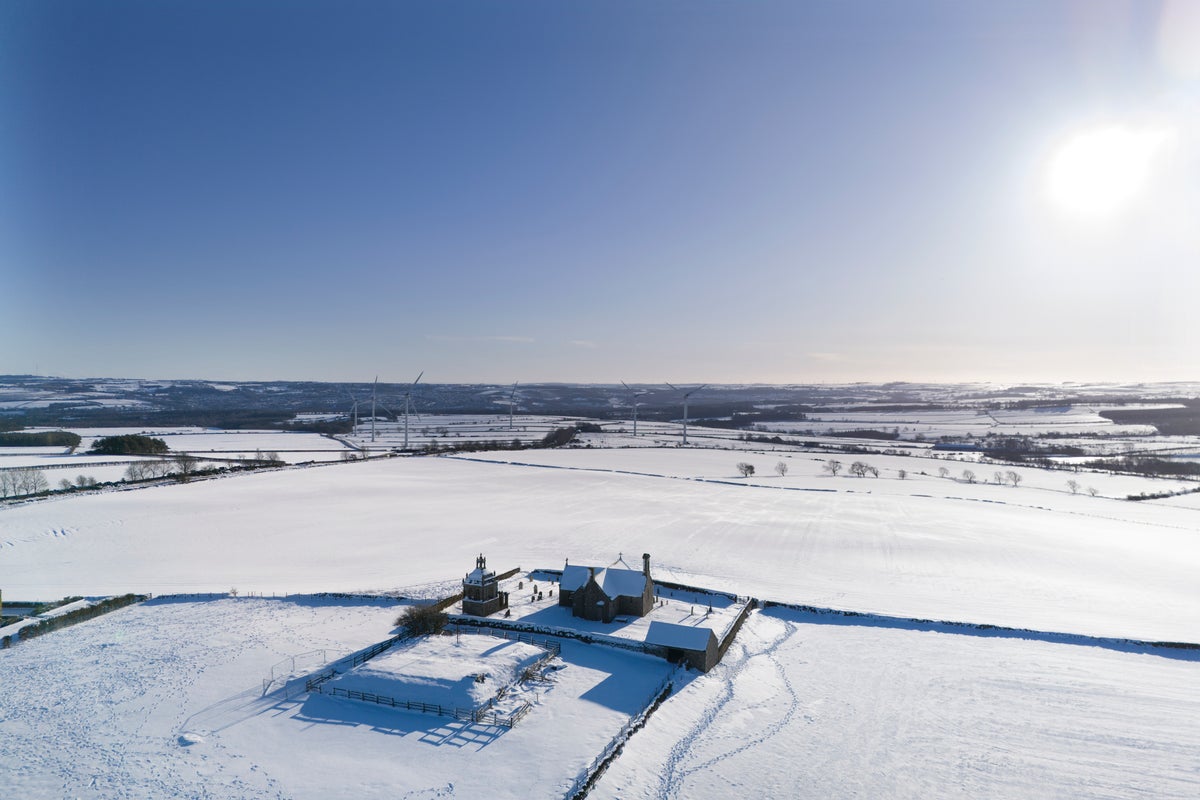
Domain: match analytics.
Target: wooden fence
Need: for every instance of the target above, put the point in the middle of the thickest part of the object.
(477, 715)
(481, 715)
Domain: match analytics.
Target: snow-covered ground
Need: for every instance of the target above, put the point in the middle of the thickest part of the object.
(165, 699)
(442, 670)
(933, 548)
(932, 424)
(806, 470)
(811, 707)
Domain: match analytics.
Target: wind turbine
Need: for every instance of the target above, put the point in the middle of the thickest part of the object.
(511, 399)
(354, 414)
(686, 395)
(376, 386)
(633, 396)
(408, 407)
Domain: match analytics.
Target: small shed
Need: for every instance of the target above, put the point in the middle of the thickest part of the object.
(695, 646)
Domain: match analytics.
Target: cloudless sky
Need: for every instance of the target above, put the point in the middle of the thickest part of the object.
(783, 192)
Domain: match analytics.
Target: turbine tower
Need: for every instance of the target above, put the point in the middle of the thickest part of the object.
(633, 396)
(375, 386)
(354, 415)
(686, 395)
(408, 407)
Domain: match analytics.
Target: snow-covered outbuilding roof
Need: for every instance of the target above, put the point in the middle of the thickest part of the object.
(684, 637)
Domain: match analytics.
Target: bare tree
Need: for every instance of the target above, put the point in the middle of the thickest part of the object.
(999, 476)
(781, 468)
(903, 474)
(873, 470)
(968, 476)
(185, 466)
(1092, 491)
(1073, 485)
(144, 470)
(17, 482)
(860, 469)
(832, 466)
(943, 471)
(745, 469)
(1014, 478)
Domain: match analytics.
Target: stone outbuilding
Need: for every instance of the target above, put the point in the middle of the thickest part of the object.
(695, 646)
(481, 591)
(601, 594)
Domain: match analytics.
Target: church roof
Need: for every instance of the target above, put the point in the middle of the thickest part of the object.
(615, 582)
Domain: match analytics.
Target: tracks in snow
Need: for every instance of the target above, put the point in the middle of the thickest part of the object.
(684, 761)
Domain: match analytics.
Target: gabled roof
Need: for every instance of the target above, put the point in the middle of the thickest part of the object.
(684, 637)
(615, 582)
(573, 577)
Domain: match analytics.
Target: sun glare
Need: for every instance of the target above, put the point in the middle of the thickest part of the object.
(1102, 171)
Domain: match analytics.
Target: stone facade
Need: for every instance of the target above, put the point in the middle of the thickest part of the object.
(481, 591)
(603, 594)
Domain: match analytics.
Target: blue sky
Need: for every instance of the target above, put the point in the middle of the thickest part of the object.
(590, 191)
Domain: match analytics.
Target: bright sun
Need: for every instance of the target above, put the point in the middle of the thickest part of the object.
(1102, 171)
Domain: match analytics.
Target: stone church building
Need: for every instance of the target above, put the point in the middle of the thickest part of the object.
(601, 594)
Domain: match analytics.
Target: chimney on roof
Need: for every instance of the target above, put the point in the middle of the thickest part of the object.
(646, 564)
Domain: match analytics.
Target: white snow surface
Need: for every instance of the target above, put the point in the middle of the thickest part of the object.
(933, 548)
(441, 670)
(165, 700)
(811, 707)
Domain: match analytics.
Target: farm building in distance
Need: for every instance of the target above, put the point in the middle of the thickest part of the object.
(481, 591)
(602, 594)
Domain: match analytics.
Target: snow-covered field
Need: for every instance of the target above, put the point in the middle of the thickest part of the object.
(933, 548)
(805, 707)
(164, 699)
(967, 422)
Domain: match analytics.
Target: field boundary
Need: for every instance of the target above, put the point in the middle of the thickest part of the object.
(480, 715)
(1185, 651)
(587, 779)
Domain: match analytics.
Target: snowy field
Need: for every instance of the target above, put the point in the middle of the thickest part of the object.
(806, 470)
(164, 700)
(292, 447)
(934, 548)
(967, 422)
(805, 708)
